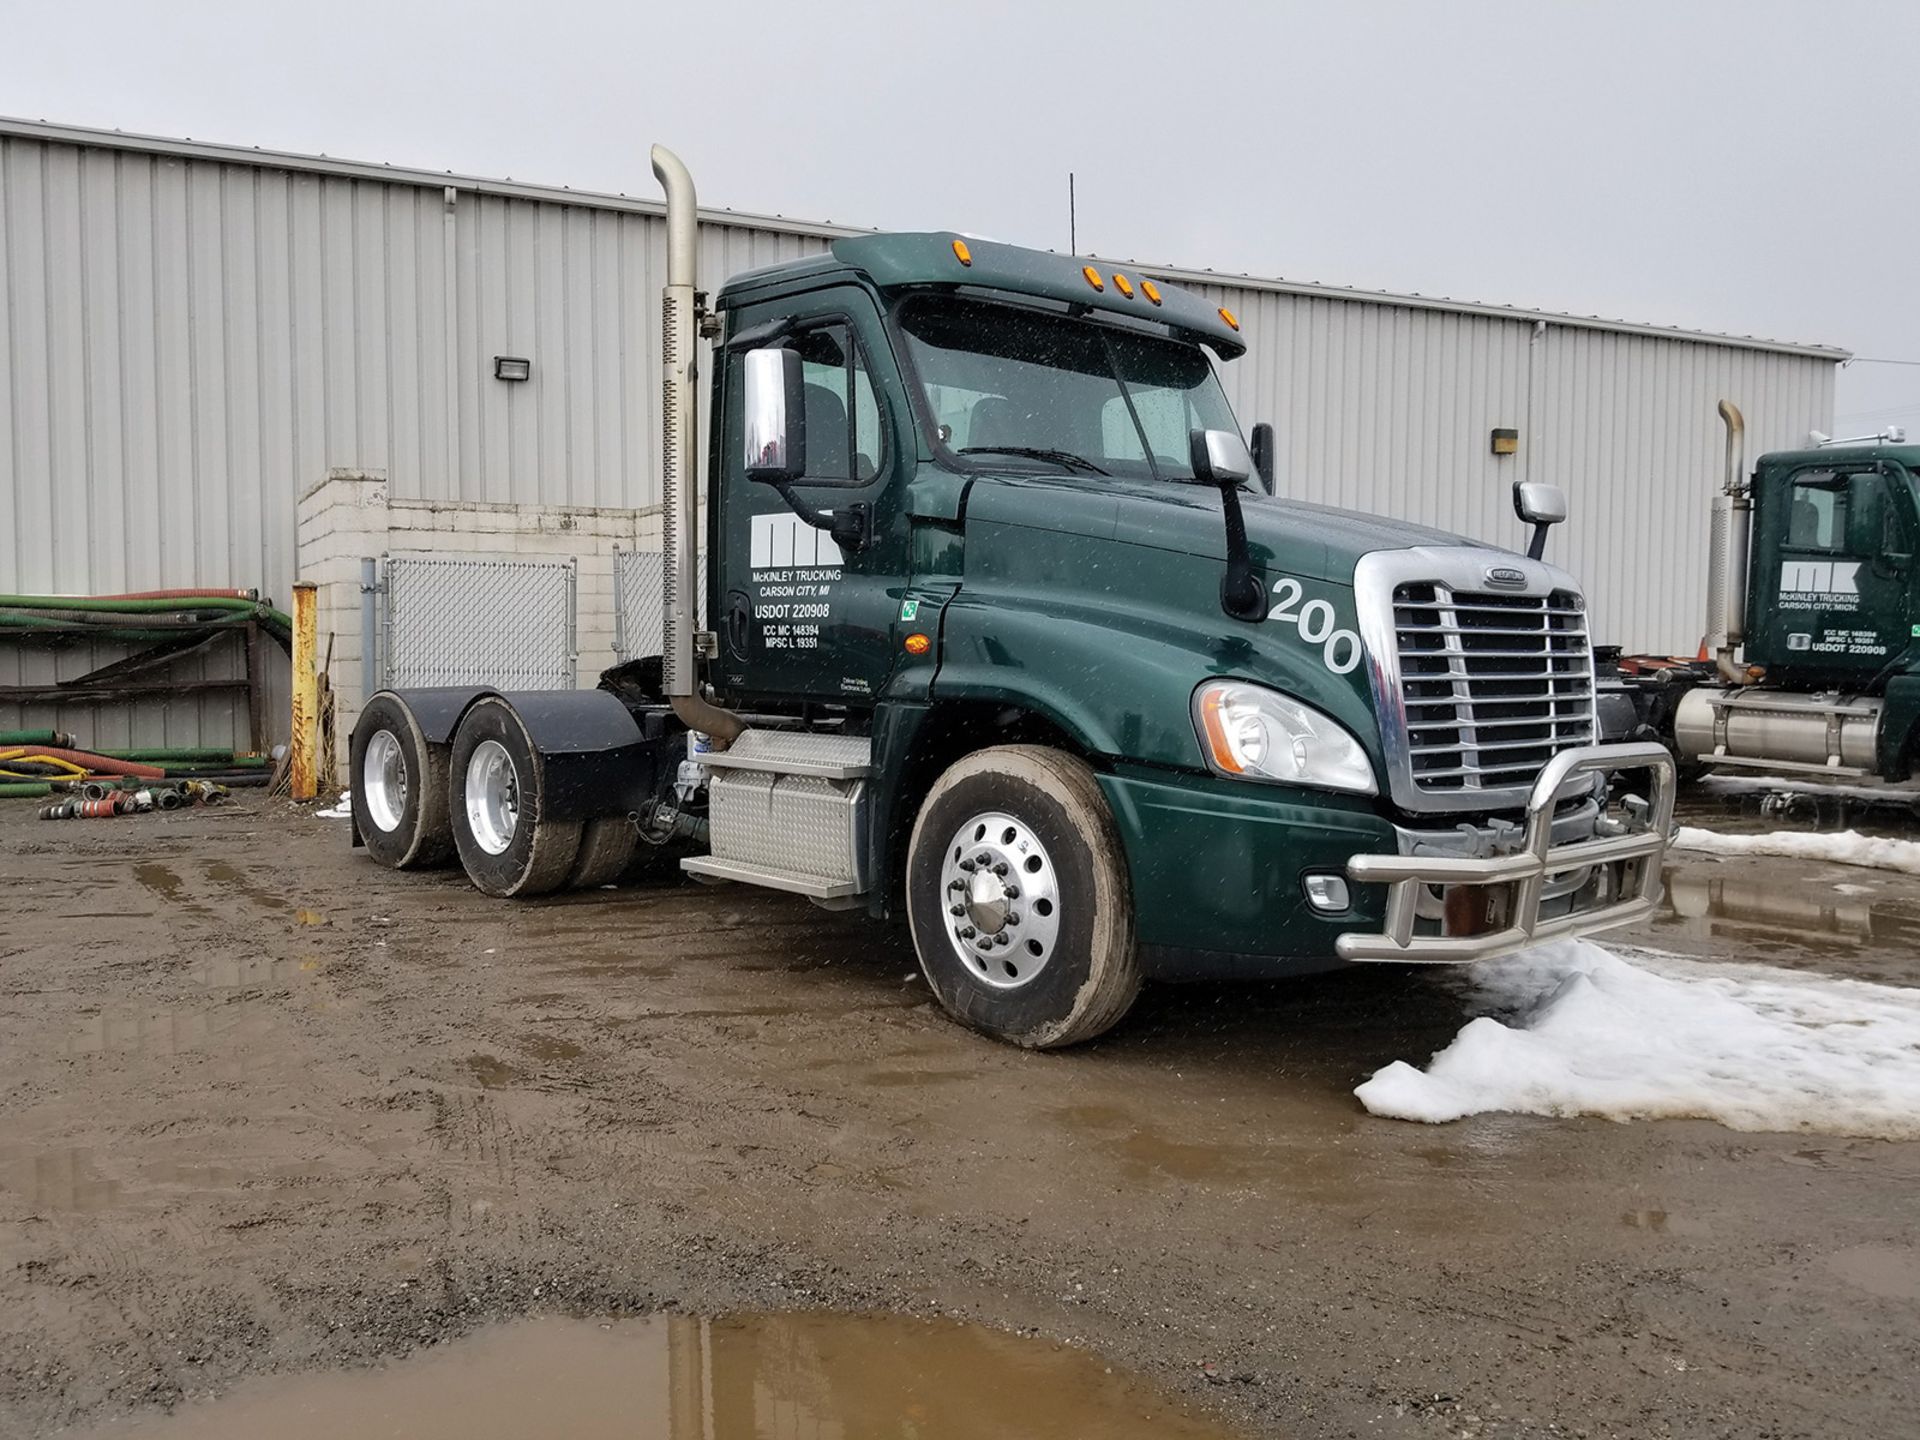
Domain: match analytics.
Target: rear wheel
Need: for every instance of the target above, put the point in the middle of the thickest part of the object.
(606, 849)
(399, 785)
(1018, 898)
(496, 801)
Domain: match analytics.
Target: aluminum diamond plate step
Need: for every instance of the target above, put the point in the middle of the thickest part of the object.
(819, 887)
(791, 752)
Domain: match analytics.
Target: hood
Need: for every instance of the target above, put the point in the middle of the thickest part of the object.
(1318, 542)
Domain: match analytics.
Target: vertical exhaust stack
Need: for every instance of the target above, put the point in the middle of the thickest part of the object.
(679, 435)
(1728, 552)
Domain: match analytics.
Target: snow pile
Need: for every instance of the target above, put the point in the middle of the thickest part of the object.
(1848, 847)
(1590, 1033)
(1775, 784)
(342, 809)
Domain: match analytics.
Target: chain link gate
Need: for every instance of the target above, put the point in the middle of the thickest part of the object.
(639, 613)
(511, 624)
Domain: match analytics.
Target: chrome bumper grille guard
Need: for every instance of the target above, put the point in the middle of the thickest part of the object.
(1632, 856)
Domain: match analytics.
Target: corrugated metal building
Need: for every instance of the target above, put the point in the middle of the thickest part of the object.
(192, 335)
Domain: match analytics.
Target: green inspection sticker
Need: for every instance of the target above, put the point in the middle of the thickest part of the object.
(1916, 632)
(910, 610)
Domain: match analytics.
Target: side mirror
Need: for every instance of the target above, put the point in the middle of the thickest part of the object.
(1221, 458)
(1866, 513)
(776, 416)
(1540, 506)
(1263, 455)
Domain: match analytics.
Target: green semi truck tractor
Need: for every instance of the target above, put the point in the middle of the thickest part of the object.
(1009, 638)
(1811, 662)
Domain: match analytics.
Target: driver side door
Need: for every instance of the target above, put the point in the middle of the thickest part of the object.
(798, 617)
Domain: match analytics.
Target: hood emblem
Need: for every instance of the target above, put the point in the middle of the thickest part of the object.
(1506, 577)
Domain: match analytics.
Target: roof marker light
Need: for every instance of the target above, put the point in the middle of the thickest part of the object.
(1227, 315)
(1121, 284)
(961, 253)
(1150, 290)
(1093, 277)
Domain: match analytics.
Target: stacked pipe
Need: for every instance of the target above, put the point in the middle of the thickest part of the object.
(146, 616)
(94, 801)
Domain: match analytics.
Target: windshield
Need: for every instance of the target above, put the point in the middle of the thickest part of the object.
(1031, 388)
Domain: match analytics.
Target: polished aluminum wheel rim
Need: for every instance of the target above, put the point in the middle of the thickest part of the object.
(493, 797)
(1000, 896)
(383, 780)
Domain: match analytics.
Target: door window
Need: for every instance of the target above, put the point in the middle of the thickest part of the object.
(844, 445)
(1817, 512)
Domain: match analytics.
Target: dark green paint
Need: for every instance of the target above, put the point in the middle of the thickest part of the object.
(1092, 604)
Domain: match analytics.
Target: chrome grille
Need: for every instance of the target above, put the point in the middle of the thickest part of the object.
(1491, 685)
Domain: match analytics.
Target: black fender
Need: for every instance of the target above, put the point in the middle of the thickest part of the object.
(595, 759)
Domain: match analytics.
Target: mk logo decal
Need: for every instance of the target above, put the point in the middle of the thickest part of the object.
(1819, 577)
(785, 542)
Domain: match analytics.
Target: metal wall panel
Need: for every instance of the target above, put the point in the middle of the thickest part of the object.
(191, 336)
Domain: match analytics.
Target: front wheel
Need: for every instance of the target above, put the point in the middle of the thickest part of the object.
(496, 801)
(1018, 898)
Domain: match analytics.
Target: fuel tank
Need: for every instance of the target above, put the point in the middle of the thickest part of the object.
(1826, 731)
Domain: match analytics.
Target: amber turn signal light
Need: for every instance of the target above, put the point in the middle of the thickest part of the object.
(918, 644)
(1150, 290)
(962, 253)
(1093, 277)
(1121, 284)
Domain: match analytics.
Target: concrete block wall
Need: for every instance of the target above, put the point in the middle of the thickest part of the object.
(351, 516)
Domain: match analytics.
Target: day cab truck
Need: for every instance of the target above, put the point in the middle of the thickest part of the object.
(1811, 662)
(1009, 637)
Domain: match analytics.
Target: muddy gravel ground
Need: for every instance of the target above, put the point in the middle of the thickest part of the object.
(266, 1107)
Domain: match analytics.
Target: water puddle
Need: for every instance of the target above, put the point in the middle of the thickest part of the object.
(226, 876)
(766, 1377)
(549, 1047)
(1742, 912)
(165, 881)
(493, 1073)
(1144, 1154)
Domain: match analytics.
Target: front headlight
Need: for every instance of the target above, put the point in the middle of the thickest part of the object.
(1259, 734)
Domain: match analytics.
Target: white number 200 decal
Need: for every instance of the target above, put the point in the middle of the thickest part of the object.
(1339, 649)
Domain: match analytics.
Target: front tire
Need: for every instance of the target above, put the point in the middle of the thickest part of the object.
(399, 785)
(1019, 901)
(496, 800)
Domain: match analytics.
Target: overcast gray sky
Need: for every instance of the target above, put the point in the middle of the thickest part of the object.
(1732, 166)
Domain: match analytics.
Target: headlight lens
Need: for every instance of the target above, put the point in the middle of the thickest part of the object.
(1259, 734)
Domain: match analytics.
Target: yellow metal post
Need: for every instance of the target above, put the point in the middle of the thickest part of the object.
(303, 750)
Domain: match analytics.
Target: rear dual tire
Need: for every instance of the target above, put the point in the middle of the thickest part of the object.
(399, 788)
(496, 797)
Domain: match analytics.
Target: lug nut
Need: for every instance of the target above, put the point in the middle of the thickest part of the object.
(1000, 868)
(1013, 917)
(967, 932)
(968, 866)
(1003, 938)
(956, 909)
(1012, 892)
(983, 858)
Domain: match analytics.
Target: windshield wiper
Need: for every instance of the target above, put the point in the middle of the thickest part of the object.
(1065, 458)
